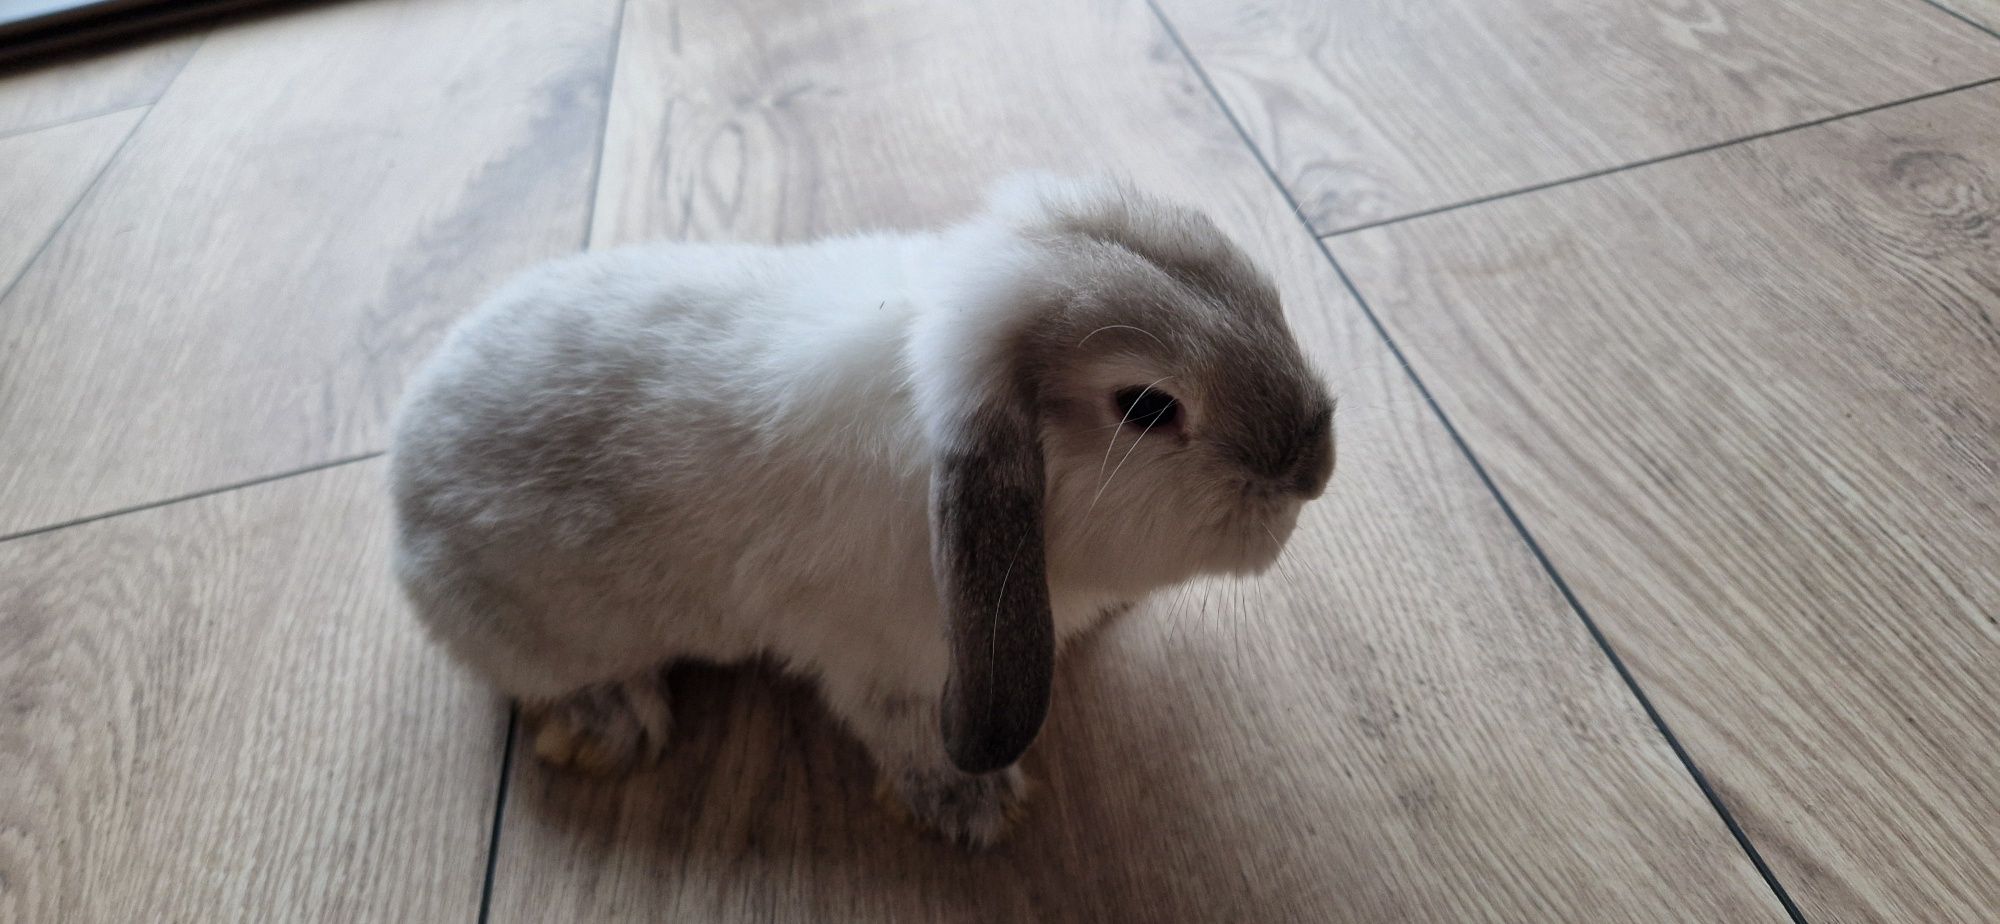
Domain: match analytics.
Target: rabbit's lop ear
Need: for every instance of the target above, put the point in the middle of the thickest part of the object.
(987, 550)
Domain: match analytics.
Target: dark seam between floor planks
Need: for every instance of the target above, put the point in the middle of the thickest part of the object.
(1548, 567)
(1961, 17)
(194, 495)
(88, 188)
(1647, 162)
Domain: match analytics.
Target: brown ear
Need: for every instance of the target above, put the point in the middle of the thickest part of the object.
(987, 551)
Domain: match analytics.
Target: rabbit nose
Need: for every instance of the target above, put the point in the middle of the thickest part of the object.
(1314, 467)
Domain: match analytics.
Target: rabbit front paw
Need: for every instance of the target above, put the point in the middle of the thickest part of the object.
(970, 811)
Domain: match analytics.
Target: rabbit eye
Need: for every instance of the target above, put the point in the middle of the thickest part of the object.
(1146, 408)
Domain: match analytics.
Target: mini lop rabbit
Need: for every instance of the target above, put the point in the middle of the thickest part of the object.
(907, 466)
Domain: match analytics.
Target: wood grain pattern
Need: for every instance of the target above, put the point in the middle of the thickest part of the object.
(1402, 724)
(81, 86)
(1752, 408)
(219, 711)
(1377, 108)
(317, 197)
(43, 173)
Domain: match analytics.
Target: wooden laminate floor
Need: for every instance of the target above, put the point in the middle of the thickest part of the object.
(1660, 581)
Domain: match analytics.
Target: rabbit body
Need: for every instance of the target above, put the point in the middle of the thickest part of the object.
(721, 452)
(683, 451)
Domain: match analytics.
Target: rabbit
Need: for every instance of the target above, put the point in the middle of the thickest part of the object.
(905, 466)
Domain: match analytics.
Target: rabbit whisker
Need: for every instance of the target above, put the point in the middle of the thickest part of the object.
(1177, 613)
(1114, 470)
(1207, 589)
(1282, 563)
(1127, 418)
(1236, 607)
(993, 638)
(1086, 337)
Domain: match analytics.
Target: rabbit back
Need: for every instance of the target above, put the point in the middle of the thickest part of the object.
(676, 451)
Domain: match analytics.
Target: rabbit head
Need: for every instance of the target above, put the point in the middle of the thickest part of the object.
(1115, 404)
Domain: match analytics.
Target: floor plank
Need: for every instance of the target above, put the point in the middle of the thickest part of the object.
(289, 231)
(43, 174)
(219, 711)
(1405, 724)
(1751, 403)
(1377, 108)
(80, 86)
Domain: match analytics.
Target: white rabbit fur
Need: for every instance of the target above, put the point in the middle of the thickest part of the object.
(720, 452)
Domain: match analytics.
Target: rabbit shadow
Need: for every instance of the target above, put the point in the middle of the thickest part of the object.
(765, 809)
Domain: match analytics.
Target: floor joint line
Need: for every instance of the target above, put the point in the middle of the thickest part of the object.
(1961, 17)
(499, 811)
(192, 495)
(1507, 509)
(1638, 164)
(91, 187)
